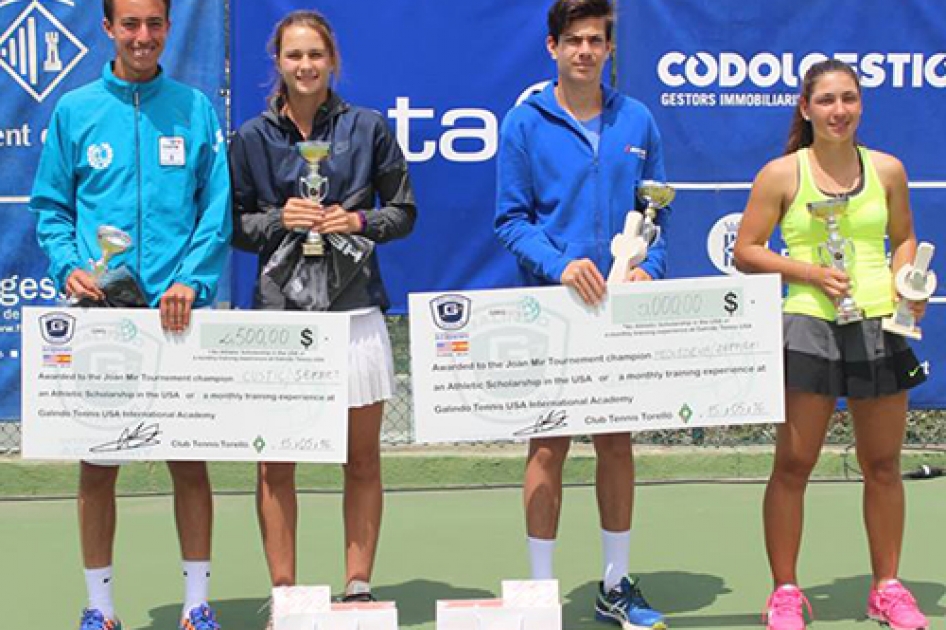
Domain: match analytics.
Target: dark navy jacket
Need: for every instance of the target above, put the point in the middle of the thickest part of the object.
(366, 171)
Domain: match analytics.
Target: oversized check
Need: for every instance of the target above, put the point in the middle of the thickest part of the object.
(110, 384)
(520, 363)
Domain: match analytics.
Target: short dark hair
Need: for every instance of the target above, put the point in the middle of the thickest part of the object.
(564, 12)
(108, 8)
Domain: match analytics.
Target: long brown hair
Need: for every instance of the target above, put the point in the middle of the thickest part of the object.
(800, 134)
(317, 22)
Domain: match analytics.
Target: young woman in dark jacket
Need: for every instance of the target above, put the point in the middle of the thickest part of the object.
(368, 201)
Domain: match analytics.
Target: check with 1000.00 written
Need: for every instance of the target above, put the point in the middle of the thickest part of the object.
(534, 362)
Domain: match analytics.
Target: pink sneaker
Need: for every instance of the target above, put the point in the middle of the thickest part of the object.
(893, 605)
(784, 611)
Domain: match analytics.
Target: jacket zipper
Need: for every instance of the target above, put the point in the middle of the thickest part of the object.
(137, 99)
(602, 219)
(600, 214)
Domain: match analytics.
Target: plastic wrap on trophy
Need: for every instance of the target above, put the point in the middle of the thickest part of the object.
(836, 251)
(314, 187)
(291, 280)
(630, 246)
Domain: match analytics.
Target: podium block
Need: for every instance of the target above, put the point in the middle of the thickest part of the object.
(525, 605)
(310, 608)
(358, 616)
(295, 607)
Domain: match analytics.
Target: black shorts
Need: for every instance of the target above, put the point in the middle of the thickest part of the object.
(856, 360)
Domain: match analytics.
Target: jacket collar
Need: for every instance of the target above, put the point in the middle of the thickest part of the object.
(127, 89)
(546, 101)
(332, 107)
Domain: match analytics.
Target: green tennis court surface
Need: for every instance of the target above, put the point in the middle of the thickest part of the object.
(697, 547)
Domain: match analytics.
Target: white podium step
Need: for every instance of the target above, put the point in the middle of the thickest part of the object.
(525, 605)
(311, 608)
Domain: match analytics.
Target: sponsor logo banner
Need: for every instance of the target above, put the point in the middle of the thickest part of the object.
(722, 80)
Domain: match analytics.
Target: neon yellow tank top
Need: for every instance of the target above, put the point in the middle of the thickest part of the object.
(864, 223)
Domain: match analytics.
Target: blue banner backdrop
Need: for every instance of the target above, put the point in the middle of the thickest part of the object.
(445, 74)
(48, 47)
(722, 79)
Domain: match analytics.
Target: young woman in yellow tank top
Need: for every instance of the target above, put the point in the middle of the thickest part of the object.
(826, 360)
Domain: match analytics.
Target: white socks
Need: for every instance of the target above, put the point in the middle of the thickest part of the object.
(357, 587)
(616, 549)
(196, 584)
(541, 553)
(98, 582)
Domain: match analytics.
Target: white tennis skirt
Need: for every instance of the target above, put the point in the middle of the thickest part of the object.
(370, 362)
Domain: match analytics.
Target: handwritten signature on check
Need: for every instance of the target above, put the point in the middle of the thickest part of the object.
(547, 422)
(140, 436)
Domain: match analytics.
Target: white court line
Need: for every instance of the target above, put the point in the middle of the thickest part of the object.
(711, 185)
(677, 185)
(748, 185)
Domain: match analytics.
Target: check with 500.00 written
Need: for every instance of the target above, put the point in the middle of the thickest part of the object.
(109, 384)
(538, 362)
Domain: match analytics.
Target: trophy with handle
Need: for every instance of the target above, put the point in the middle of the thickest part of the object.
(915, 283)
(314, 187)
(629, 247)
(835, 251)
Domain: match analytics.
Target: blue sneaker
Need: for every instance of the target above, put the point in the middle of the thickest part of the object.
(93, 619)
(624, 605)
(200, 618)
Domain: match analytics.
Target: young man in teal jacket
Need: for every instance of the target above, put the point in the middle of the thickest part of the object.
(570, 161)
(140, 152)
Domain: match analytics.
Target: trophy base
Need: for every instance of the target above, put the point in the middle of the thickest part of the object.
(891, 325)
(849, 317)
(314, 248)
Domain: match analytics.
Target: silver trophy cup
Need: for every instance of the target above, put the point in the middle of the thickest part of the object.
(656, 196)
(111, 241)
(835, 251)
(629, 247)
(314, 187)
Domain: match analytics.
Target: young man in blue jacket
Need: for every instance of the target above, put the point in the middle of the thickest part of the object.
(140, 152)
(570, 160)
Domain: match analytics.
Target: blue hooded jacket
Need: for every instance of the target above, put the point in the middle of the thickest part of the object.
(148, 158)
(558, 200)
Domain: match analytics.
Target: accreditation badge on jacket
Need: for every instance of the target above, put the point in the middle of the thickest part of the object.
(171, 150)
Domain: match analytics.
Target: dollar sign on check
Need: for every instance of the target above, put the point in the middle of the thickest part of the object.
(306, 338)
(732, 302)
